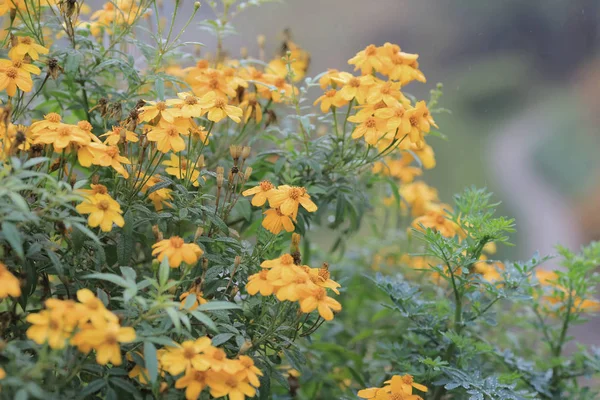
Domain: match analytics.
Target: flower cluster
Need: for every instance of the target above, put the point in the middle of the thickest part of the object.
(296, 283)
(15, 73)
(399, 387)
(103, 210)
(206, 366)
(284, 202)
(86, 324)
(9, 284)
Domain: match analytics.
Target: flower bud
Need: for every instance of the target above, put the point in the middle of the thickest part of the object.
(196, 5)
(246, 152)
(247, 173)
(260, 39)
(157, 233)
(198, 233)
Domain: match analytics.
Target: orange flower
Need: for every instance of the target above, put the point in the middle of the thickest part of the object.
(261, 192)
(177, 251)
(275, 221)
(288, 198)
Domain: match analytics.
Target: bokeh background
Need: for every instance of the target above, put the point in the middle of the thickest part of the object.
(522, 81)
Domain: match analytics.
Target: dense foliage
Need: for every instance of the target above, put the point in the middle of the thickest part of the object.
(179, 226)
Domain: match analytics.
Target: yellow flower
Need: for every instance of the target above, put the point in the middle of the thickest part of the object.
(167, 136)
(159, 197)
(369, 126)
(194, 382)
(490, 271)
(367, 60)
(250, 370)
(109, 156)
(113, 137)
(233, 385)
(48, 327)
(182, 169)
(218, 108)
(157, 109)
(9, 284)
(288, 198)
(260, 282)
(188, 105)
(251, 107)
(322, 277)
(21, 65)
(105, 341)
(12, 78)
(275, 221)
(177, 251)
(403, 67)
(61, 137)
(419, 196)
(354, 87)
(28, 46)
(316, 298)
(330, 78)
(404, 384)
(331, 98)
(261, 193)
(420, 121)
(213, 81)
(103, 210)
(218, 361)
(436, 219)
(95, 311)
(188, 356)
(195, 289)
(387, 92)
(51, 122)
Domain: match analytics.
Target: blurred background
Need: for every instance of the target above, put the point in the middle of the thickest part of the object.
(521, 79)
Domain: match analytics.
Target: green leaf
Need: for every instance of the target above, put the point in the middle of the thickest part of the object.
(163, 272)
(117, 280)
(172, 313)
(205, 319)
(221, 338)
(218, 305)
(151, 360)
(126, 243)
(159, 87)
(91, 388)
(13, 237)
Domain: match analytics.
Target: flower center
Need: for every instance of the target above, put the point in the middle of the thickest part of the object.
(280, 83)
(440, 219)
(231, 382)
(220, 103)
(371, 50)
(320, 294)
(172, 132)
(263, 274)
(52, 117)
(12, 72)
(27, 40)
(295, 193)
(103, 205)
(161, 106)
(176, 242)
(413, 121)
(112, 151)
(219, 355)
(111, 338)
(64, 131)
(99, 189)
(17, 63)
(53, 325)
(399, 112)
(354, 82)
(396, 396)
(370, 123)
(84, 125)
(331, 93)
(266, 185)
(190, 100)
(189, 353)
(199, 376)
(324, 274)
(213, 83)
(287, 259)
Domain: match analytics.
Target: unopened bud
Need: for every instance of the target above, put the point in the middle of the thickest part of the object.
(157, 233)
(220, 177)
(236, 152)
(245, 347)
(196, 5)
(247, 173)
(205, 264)
(95, 179)
(73, 179)
(296, 240)
(237, 261)
(246, 152)
(198, 233)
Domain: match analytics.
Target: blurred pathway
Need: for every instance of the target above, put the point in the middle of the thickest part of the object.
(544, 217)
